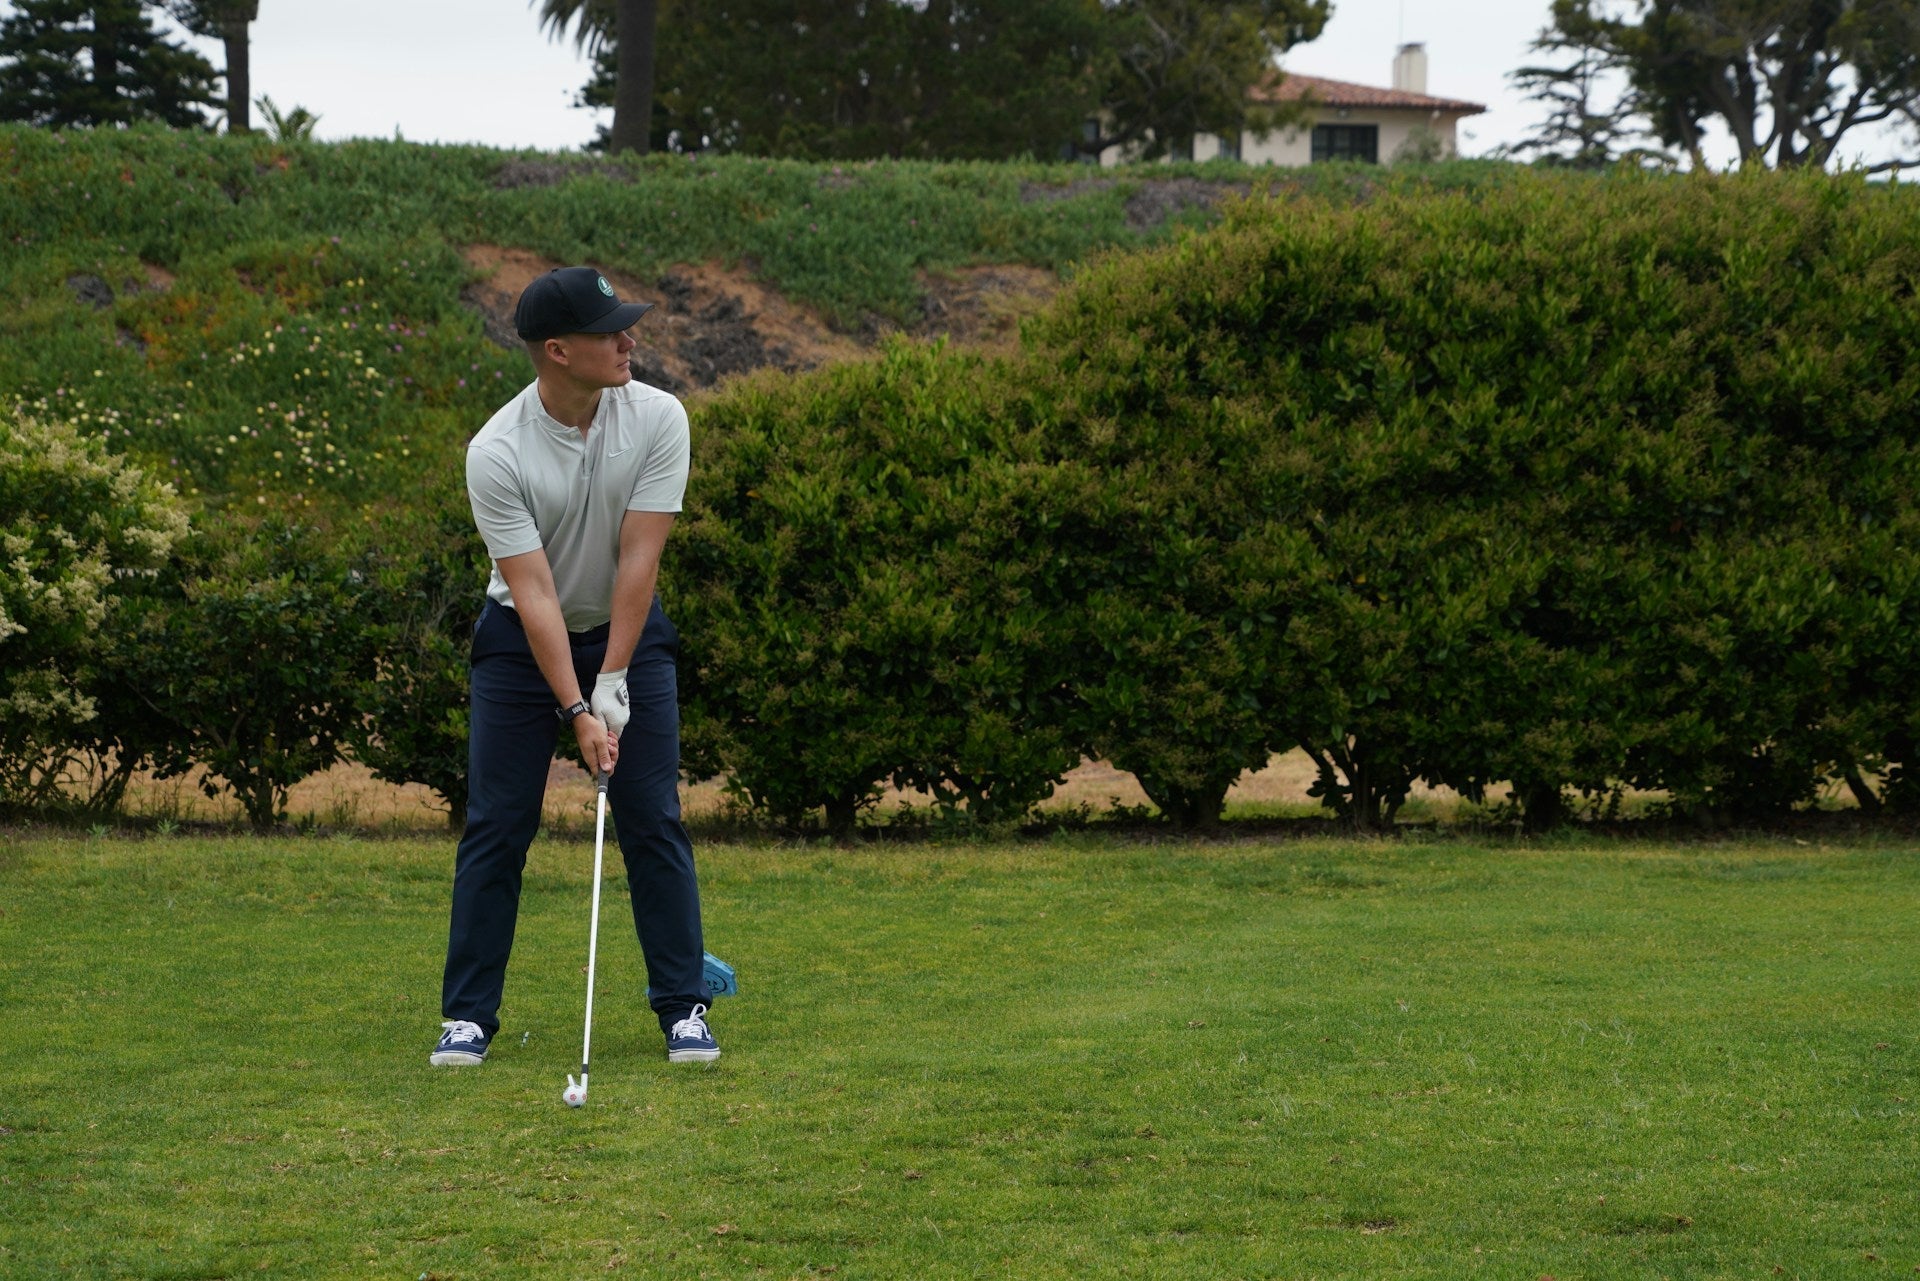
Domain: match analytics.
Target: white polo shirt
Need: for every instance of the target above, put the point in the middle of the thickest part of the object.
(535, 482)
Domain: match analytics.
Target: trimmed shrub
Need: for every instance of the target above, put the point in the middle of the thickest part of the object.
(860, 580)
(76, 526)
(428, 571)
(1590, 471)
(1164, 593)
(1577, 483)
(1261, 575)
(248, 660)
(1596, 484)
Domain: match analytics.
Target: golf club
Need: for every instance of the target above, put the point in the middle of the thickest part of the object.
(576, 1093)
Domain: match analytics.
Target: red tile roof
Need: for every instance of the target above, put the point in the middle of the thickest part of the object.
(1340, 93)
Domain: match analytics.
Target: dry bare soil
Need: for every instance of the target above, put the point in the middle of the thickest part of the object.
(347, 796)
(712, 321)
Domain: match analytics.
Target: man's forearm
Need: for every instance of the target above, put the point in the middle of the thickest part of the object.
(643, 536)
(632, 600)
(530, 579)
(547, 637)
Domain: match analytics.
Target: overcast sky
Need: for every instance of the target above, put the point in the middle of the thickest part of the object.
(481, 71)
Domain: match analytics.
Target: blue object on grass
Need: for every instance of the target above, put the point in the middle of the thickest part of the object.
(718, 975)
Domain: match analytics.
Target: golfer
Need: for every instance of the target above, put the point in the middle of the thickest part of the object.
(574, 487)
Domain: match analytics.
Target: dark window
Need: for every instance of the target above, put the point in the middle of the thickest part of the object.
(1089, 134)
(1230, 146)
(1347, 142)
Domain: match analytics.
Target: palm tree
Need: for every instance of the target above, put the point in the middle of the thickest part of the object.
(592, 22)
(293, 125)
(633, 81)
(227, 21)
(629, 26)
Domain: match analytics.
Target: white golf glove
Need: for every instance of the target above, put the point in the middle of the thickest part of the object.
(609, 701)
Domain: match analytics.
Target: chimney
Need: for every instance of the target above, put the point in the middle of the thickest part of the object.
(1410, 68)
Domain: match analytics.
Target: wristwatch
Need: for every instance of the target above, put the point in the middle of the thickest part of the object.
(567, 714)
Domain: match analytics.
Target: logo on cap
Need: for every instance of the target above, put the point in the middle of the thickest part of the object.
(606, 288)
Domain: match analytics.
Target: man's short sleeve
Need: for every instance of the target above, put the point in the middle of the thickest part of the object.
(662, 481)
(500, 509)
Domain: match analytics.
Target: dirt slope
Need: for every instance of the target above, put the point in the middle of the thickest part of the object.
(711, 322)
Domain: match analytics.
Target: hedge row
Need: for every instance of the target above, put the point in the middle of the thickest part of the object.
(1576, 488)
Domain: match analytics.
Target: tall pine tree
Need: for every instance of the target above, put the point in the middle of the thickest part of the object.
(67, 63)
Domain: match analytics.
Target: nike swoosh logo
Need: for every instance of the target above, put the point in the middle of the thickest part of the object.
(616, 453)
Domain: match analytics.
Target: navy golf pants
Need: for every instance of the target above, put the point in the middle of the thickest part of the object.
(510, 745)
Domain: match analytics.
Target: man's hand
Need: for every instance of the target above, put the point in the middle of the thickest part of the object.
(609, 701)
(599, 750)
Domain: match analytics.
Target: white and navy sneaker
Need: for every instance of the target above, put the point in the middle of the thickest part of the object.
(689, 1041)
(461, 1045)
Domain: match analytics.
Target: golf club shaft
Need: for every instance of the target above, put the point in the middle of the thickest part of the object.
(593, 926)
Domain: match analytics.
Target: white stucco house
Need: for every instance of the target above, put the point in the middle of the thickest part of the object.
(1347, 121)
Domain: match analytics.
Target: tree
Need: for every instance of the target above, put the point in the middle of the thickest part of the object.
(251, 662)
(633, 90)
(1001, 78)
(425, 565)
(1174, 68)
(1787, 79)
(66, 63)
(984, 79)
(1581, 130)
(592, 21)
(619, 33)
(226, 21)
(827, 80)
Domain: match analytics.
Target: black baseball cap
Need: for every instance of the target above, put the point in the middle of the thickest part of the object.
(573, 300)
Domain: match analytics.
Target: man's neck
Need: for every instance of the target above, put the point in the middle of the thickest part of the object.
(567, 403)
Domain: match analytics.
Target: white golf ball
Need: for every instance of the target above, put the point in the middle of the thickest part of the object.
(575, 1096)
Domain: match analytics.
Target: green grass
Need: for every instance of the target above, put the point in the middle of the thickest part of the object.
(1086, 1057)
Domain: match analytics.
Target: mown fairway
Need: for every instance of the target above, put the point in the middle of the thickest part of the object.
(1085, 1058)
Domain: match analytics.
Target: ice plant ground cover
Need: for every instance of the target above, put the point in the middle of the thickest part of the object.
(268, 323)
(1436, 1056)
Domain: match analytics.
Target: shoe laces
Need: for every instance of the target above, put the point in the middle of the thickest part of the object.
(461, 1030)
(693, 1026)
